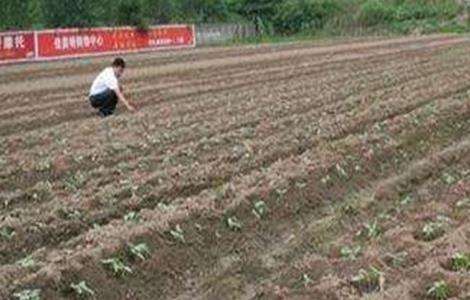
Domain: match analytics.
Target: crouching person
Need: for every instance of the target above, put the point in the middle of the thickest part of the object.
(105, 91)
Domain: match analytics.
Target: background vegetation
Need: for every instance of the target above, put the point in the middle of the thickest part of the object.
(272, 17)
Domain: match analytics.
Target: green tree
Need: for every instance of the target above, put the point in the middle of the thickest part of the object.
(35, 14)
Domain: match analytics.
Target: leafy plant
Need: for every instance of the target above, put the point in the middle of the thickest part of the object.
(117, 266)
(234, 224)
(371, 230)
(460, 262)
(448, 178)
(406, 200)
(41, 191)
(28, 295)
(432, 230)
(132, 217)
(439, 290)
(341, 171)
(75, 182)
(7, 233)
(350, 253)
(306, 280)
(397, 259)
(463, 203)
(27, 262)
(140, 251)
(82, 289)
(43, 165)
(280, 193)
(260, 209)
(178, 234)
(69, 214)
(370, 280)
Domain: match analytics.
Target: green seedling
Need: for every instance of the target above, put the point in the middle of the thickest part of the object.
(397, 260)
(7, 233)
(82, 289)
(165, 207)
(140, 251)
(69, 214)
(280, 193)
(349, 253)
(178, 234)
(132, 217)
(27, 262)
(464, 203)
(461, 262)
(28, 295)
(341, 171)
(3, 162)
(439, 290)
(117, 266)
(260, 209)
(371, 280)
(234, 224)
(306, 280)
(432, 231)
(43, 165)
(448, 179)
(371, 230)
(41, 191)
(325, 180)
(75, 182)
(406, 200)
(221, 191)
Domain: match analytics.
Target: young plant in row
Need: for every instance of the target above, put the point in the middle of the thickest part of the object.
(140, 251)
(350, 253)
(439, 290)
(28, 295)
(368, 281)
(27, 262)
(82, 290)
(7, 233)
(260, 209)
(370, 230)
(460, 262)
(117, 266)
(234, 224)
(178, 234)
(432, 231)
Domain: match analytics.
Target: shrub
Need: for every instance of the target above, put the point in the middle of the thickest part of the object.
(293, 16)
(375, 12)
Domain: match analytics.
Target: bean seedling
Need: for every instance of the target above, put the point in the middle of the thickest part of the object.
(178, 234)
(140, 251)
(234, 224)
(461, 262)
(28, 295)
(370, 280)
(439, 290)
(82, 289)
(117, 266)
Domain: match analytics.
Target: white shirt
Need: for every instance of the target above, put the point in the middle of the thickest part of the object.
(105, 80)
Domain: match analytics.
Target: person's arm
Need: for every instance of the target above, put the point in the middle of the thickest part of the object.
(124, 100)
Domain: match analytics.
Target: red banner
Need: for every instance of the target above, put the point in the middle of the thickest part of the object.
(85, 42)
(16, 46)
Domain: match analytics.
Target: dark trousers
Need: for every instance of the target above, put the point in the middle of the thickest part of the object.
(105, 102)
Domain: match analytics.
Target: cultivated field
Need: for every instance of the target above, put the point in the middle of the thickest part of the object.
(337, 170)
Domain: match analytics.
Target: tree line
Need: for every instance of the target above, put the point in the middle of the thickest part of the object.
(271, 16)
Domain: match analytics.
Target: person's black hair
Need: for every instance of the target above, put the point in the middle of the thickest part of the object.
(119, 62)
